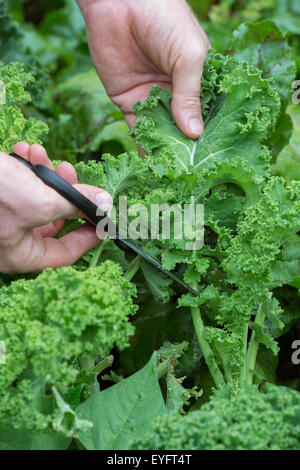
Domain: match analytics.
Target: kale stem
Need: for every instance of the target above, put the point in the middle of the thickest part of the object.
(97, 254)
(133, 268)
(206, 349)
(253, 346)
(244, 353)
(226, 367)
(103, 365)
(88, 365)
(162, 369)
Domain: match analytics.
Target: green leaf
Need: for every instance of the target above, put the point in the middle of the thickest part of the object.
(117, 131)
(66, 422)
(20, 439)
(286, 268)
(123, 172)
(84, 117)
(189, 300)
(172, 352)
(288, 162)
(243, 108)
(178, 396)
(287, 15)
(264, 46)
(158, 283)
(90, 173)
(46, 323)
(14, 127)
(265, 366)
(123, 411)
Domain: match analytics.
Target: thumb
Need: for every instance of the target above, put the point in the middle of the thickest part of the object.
(186, 105)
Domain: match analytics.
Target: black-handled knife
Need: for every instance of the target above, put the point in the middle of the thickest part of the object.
(87, 207)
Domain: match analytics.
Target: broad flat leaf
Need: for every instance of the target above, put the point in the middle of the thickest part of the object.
(123, 411)
(220, 35)
(20, 439)
(264, 46)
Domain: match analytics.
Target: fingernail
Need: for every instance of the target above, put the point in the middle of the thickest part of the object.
(104, 201)
(196, 126)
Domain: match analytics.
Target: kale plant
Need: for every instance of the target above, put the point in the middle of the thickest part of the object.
(187, 372)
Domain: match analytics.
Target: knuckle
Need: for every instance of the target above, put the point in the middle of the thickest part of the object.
(197, 51)
(188, 102)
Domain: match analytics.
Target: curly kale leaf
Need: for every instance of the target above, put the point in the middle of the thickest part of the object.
(123, 173)
(249, 214)
(240, 109)
(14, 127)
(243, 420)
(47, 324)
(90, 173)
(262, 232)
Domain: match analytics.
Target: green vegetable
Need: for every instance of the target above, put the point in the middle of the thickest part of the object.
(82, 371)
(240, 109)
(288, 160)
(123, 411)
(51, 340)
(13, 125)
(232, 420)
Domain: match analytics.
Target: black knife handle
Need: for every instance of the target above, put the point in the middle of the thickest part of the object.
(22, 160)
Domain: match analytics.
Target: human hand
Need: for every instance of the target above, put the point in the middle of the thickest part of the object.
(32, 213)
(135, 44)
